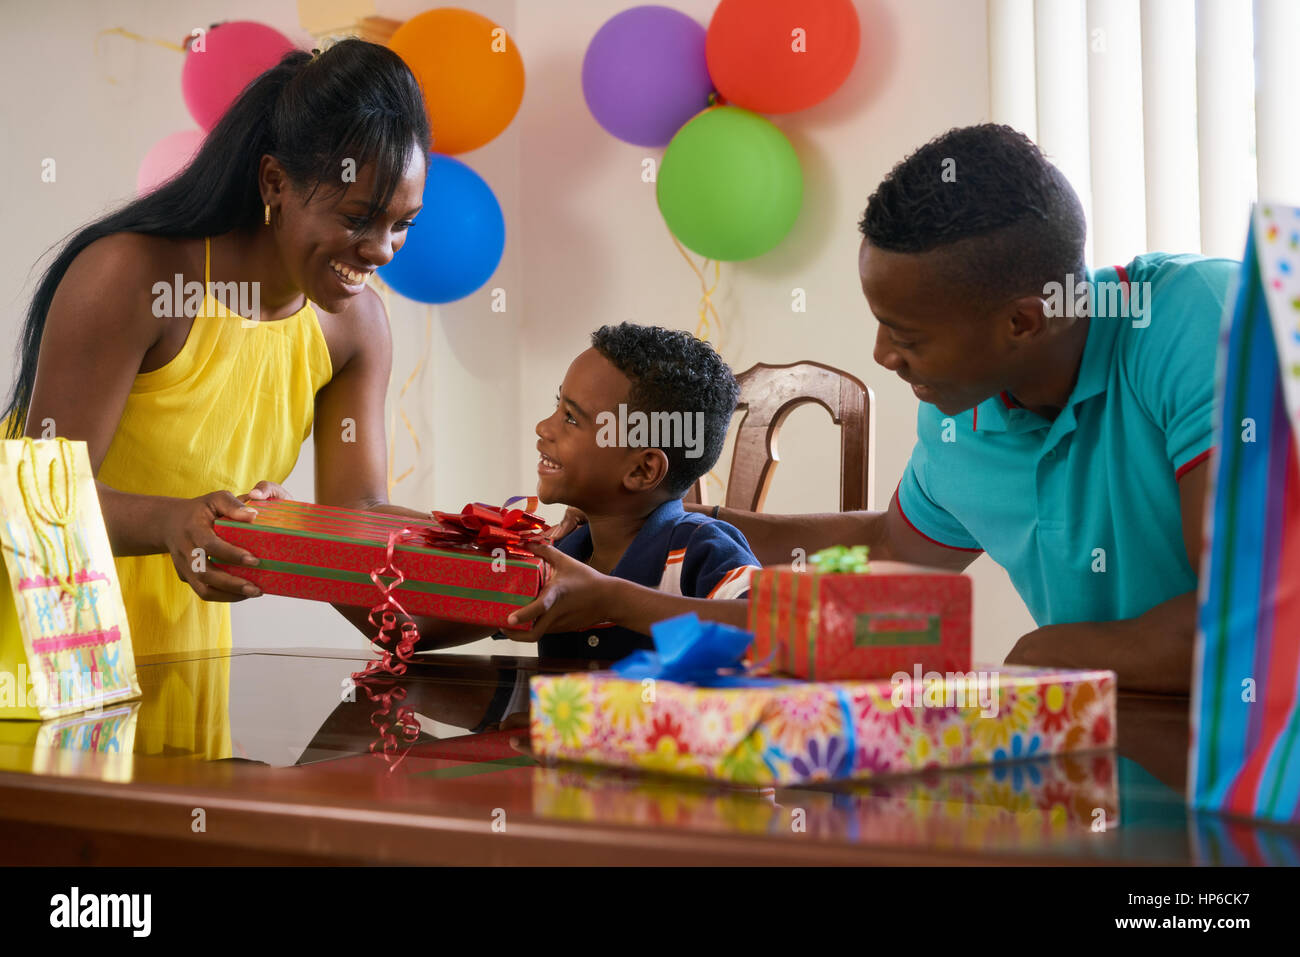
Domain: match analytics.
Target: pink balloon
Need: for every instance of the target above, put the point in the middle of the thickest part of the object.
(166, 158)
(234, 55)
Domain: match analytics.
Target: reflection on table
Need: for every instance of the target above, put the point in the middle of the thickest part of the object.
(467, 748)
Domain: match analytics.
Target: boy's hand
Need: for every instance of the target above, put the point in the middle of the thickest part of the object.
(576, 596)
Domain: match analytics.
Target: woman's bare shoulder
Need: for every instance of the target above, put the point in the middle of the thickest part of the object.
(114, 281)
(135, 262)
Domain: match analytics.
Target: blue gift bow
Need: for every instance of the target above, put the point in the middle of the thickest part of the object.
(690, 651)
(708, 654)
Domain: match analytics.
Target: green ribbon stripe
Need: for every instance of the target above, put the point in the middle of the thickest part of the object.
(777, 650)
(361, 578)
(814, 624)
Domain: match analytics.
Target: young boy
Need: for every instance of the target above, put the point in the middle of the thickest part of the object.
(640, 416)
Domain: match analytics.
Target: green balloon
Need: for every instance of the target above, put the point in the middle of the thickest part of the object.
(729, 184)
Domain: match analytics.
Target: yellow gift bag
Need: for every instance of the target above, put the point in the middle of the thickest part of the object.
(65, 646)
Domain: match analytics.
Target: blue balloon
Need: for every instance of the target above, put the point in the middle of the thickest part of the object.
(457, 240)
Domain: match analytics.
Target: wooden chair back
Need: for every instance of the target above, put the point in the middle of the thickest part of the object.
(768, 394)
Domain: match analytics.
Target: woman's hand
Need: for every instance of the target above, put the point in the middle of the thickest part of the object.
(572, 519)
(189, 538)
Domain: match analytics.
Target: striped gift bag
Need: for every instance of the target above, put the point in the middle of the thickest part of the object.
(1245, 753)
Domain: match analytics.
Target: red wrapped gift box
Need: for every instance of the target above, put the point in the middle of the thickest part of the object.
(829, 626)
(327, 554)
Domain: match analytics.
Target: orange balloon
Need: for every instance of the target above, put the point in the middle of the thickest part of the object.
(471, 73)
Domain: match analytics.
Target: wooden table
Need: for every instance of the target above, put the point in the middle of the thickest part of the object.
(183, 787)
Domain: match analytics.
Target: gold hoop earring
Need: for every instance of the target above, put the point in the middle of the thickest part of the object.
(267, 218)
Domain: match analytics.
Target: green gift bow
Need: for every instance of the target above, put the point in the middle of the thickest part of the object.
(841, 560)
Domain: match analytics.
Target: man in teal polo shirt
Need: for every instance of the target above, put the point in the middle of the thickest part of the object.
(1065, 418)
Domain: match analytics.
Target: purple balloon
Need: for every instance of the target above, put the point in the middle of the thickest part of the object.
(645, 74)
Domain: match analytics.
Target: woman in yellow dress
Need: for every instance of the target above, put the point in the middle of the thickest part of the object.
(194, 405)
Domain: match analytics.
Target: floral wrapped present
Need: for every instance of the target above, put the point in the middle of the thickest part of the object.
(845, 619)
(733, 727)
(467, 567)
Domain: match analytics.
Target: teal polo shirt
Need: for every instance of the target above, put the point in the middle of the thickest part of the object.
(1083, 512)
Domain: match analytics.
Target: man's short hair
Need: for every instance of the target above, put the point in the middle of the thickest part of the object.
(1009, 219)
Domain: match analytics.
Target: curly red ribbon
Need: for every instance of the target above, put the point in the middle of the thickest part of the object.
(477, 526)
(388, 608)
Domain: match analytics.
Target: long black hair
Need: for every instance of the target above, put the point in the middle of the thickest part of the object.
(356, 100)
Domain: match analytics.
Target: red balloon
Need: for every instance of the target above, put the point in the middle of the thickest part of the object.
(778, 56)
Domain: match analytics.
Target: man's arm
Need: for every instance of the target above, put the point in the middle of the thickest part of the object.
(888, 534)
(637, 607)
(1152, 652)
(577, 596)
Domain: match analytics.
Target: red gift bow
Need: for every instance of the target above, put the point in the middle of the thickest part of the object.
(489, 526)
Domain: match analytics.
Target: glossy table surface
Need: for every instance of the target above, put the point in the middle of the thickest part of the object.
(266, 757)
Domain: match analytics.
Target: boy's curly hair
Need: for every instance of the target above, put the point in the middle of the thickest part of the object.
(1011, 218)
(672, 371)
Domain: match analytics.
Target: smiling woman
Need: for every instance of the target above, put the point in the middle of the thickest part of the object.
(305, 187)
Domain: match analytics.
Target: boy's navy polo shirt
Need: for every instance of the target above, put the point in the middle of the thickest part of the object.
(1084, 512)
(676, 552)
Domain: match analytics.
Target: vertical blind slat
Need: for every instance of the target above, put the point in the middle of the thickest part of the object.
(1012, 97)
(1224, 117)
(1061, 45)
(1277, 100)
(1169, 125)
(1115, 130)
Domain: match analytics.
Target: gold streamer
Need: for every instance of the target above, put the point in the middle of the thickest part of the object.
(139, 38)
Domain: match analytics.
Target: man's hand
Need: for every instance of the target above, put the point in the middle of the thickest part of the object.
(576, 596)
(1150, 653)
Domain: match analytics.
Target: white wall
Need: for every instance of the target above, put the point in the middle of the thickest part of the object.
(585, 242)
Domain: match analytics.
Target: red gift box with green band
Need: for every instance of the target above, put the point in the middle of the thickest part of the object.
(831, 625)
(324, 553)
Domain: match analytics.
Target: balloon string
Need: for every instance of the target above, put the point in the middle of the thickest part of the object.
(397, 409)
(706, 309)
(702, 329)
